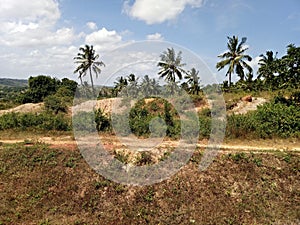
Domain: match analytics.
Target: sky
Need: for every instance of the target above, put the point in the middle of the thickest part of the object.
(43, 36)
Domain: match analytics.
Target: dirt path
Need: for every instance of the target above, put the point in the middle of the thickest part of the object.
(113, 143)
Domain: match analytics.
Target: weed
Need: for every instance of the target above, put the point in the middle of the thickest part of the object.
(287, 158)
(122, 157)
(257, 162)
(119, 188)
(165, 156)
(238, 157)
(145, 158)
(149, 196)
(101, 184)
(71, 163)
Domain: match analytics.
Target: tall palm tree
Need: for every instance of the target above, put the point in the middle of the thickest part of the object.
(266, 64)
(235, 58)
(149, 86)
(87, 60)
(194, 81)
(133, 88)
(120, 84)
(171, 66)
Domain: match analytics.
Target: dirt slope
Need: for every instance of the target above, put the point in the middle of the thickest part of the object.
(25, 108)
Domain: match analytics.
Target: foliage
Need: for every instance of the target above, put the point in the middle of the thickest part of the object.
(277, 119)
(84, 121)
(39, 88)
(235, 58)
(42, 86)
(55, 104)
(171, 66)
(193, 80)
(87, 60)
(102, 121)
(42, 121)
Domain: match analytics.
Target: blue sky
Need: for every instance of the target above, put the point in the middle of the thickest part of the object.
(43, 36)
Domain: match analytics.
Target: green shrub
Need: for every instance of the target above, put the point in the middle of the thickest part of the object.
(55, 104)
(205, 126)
(120, 124)
(277, 119)
(84, 121)
(103, 122)
(240, 126)
(43, 121)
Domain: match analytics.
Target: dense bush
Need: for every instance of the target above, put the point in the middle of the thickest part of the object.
(240, 126)
(42, 86)
(277, 119)
(84, 121)
(42, 121)
(55, 104)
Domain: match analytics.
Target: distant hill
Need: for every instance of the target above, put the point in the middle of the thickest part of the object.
(7, 82)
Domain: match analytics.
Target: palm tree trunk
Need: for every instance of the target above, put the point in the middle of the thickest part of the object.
(92, 82)
(229, 79)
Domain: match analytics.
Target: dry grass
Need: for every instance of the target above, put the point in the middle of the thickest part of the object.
(42, 185)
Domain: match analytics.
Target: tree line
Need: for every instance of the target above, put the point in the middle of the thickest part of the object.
(273, 73)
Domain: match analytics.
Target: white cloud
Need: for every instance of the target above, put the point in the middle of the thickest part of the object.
(32, 23)
(154, 11)
(31, 40)
(45, 11)
(92, 25)
(104, 40)
(155, 37)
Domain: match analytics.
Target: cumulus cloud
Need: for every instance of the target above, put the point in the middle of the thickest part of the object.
(153, 11)
(28, 23)
(155, 37)
(42, 10)
(32, 42)
(92, 25)
(104, 40)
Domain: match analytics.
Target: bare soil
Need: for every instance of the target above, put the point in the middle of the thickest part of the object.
(243, 107)
(49, 185)
(25, 108)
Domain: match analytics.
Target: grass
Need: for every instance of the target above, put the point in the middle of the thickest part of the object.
(42, 185)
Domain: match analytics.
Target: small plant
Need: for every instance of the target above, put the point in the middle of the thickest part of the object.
(101, 184)
(287, 158)
(120, 188)
(144, 159)
(257, 162)
(122, 157)
(165, 156)
(149, 196)
(71, 163)
(237, 157)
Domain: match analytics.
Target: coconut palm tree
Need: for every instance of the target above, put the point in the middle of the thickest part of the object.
(149, 86)
(235, 58)
(120, 84)
(194, 81)
(87, 60)
(133, 88)
(171, 66)
(267, 65)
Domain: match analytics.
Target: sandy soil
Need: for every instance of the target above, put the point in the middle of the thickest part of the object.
(25, 108)
(243, 107)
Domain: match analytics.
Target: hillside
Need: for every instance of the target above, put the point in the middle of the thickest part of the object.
(7, 82)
